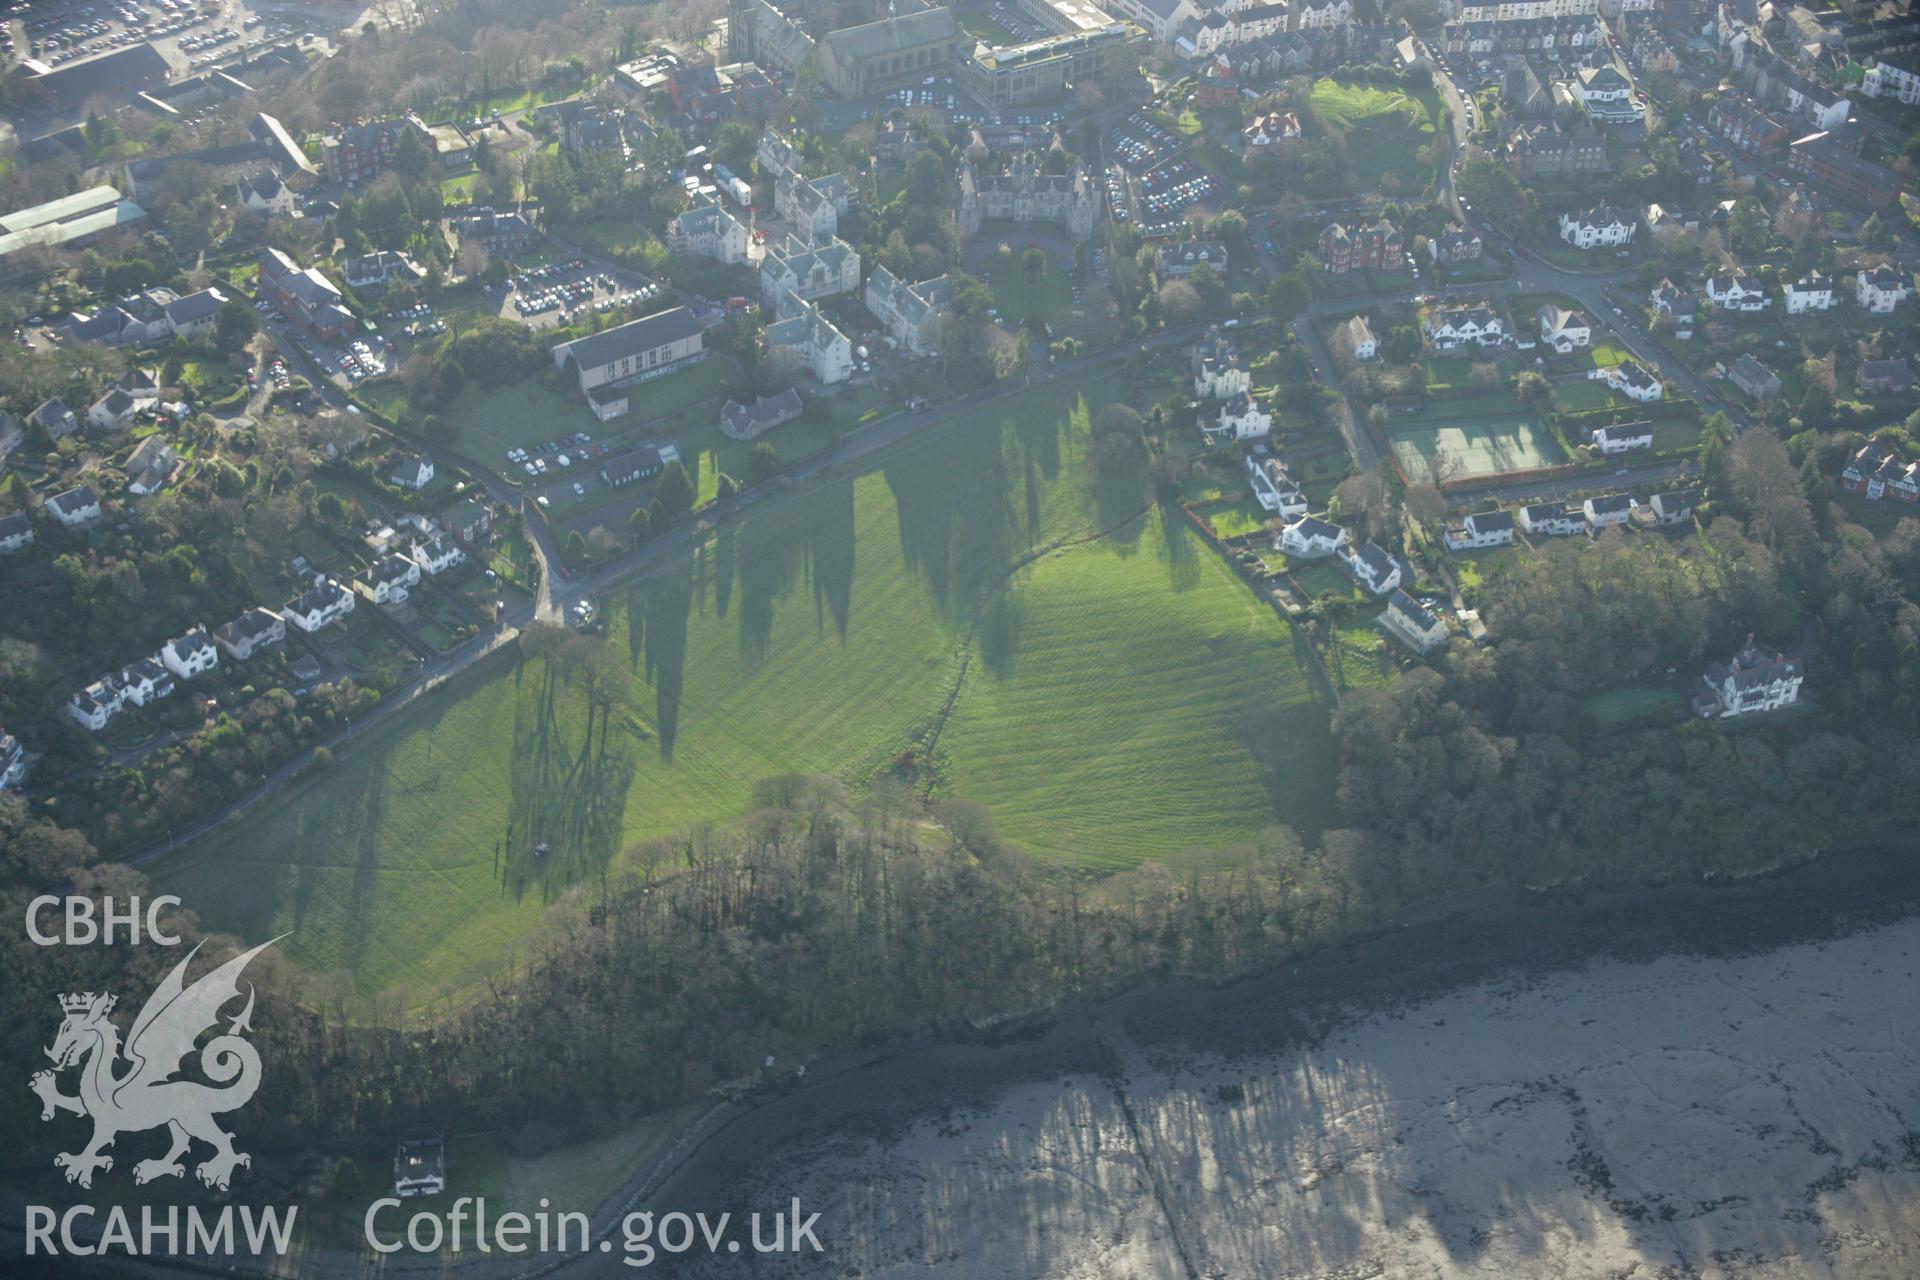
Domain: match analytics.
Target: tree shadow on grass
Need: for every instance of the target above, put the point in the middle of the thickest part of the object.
(1179, 547)
(658, 612)
(952, 504)
(569, 791)
(830, 552)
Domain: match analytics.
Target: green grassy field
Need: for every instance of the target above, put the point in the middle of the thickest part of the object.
(1384, 127)
(1512, 443)
(1122, 697)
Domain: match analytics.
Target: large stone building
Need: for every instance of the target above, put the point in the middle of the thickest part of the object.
(760, 33)
(1016, 75)
(636, 351)
(708, 231)
(911, 313)
(856, 62)
(1069, 200)
(1550, 150)
(808, 270)
(803, 340)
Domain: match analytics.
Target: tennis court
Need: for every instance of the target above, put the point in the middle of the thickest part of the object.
(1481, 447)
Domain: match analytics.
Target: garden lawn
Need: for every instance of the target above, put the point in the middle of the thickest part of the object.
(1618, 707)
(1384, 127)
(1159, 706)
(1019, 299)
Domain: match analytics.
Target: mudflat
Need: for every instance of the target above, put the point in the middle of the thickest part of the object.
(1687, 1081)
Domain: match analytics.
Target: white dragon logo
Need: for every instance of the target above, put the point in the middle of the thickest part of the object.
(148, 1096)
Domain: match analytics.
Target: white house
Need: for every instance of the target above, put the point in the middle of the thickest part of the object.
(1604, 225)
(776, 155)
(1241, 417)
(1465, 323)
(1360, 337)
(708, 230)
(1736, 290)
(1608, 511)
(1412, 623)
(113, 411)
(1677, 304)
(1481, 529)
(252, 631)
(1274, 486)
(191, 654)
(436, 556)
(1632, 380)
(414, 472)
(1309, 538)
(1604, 93)
(1675, 507)
(150, 466)
(387, 579)
(266, 195)
(1811, 292)
(193, 316)
(1623, 437)
(16, 533)
(76, 508)
(1552, 519)
(326, 603)
(806, 340)
(1564, 329)
(143, 682)
(1372, 568)
(1895, 75)
(1218, 371)
(1756, 680)
(96, 704)
(1882, 288)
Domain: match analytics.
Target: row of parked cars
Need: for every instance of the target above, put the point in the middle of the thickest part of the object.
(88, 31)
(1140, 144)
(562, 453)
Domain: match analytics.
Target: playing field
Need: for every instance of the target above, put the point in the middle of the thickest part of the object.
(1485, 446)
(1099, 681)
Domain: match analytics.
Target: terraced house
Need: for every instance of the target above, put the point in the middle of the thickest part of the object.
(1344, 249)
